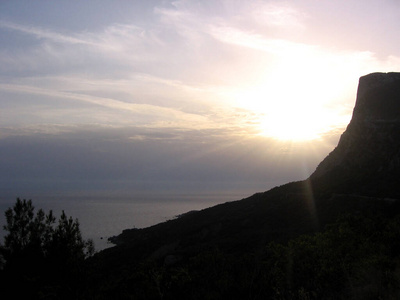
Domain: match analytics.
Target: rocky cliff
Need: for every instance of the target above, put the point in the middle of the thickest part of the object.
(367, 157)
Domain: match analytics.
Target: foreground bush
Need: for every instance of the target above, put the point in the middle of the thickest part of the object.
(41, 256)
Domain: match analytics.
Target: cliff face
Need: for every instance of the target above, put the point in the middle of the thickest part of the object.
(378, 99)
(367, 157)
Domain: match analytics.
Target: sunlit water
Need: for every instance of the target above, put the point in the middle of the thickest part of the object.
(103, 217)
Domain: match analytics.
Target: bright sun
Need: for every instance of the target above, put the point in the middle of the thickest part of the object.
(293, 105)
(296, 124)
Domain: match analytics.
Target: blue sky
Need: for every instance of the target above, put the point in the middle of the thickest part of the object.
(181, 95)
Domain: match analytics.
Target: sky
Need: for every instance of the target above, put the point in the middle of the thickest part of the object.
(136, 97)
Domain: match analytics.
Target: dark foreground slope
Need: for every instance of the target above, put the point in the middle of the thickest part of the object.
(360, 177)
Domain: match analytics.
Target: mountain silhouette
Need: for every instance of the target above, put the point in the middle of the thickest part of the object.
(364, 165)
(367, 158)
(360, 176)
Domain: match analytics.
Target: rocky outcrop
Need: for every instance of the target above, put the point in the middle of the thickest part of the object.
(378, 99)
(367, 157)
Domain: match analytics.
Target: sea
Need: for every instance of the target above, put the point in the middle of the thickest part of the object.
(104, 216)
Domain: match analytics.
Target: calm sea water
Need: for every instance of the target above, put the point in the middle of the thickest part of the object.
(101, 217)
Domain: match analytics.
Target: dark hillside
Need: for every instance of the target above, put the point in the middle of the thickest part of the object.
(246, 225)
(228, 242)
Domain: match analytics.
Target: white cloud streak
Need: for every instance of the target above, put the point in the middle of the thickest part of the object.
(145, 109)
(256, 41)
(46, 34)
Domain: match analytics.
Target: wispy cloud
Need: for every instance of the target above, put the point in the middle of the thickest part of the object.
(115, 37)
(46, 34)
(277, 14)
(256, 41)
(156, 112)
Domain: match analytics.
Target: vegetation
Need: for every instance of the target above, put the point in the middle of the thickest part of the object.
(43, 258)
(357, 257)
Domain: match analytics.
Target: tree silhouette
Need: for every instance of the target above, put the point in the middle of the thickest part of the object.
(45, 258)
(27, 232)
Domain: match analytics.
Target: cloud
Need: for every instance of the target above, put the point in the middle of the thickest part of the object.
(193, 66)
(115, 37)
(277, 14)
(256, 41)
(113, 50)
(45, 34)
(153, 112)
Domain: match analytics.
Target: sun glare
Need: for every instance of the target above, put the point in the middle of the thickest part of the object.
(297, 125)
(294, 102)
